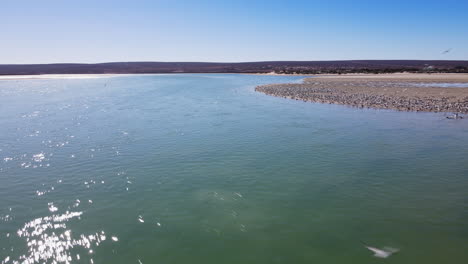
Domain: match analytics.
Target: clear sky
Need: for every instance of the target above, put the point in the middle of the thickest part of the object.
(49, 31)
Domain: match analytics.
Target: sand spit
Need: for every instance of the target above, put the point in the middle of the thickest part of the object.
(69, 76)
(403, 92)
(56, 76)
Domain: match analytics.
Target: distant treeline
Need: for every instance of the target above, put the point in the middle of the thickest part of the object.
(289, 67)
(457, 69)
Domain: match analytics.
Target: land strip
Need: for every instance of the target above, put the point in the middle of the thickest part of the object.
(404, 92)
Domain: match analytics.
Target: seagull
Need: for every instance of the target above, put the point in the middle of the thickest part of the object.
(446, 51)
(382, 253)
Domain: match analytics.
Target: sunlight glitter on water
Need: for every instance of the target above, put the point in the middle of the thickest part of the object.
(52, 207)
(49, 240)
(40, 193)
(39, 157)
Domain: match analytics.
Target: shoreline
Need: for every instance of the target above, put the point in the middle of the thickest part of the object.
(70, 76)
(90, 75)
(402, 92)
(56, 76)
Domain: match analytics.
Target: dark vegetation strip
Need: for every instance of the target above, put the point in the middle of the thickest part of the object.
(280, 67)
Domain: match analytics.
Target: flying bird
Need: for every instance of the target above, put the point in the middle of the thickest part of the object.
(382, 253)
(446, 51)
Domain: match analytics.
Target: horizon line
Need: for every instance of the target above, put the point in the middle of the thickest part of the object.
(217, 62)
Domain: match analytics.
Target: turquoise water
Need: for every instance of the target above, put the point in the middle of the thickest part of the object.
(202, 169)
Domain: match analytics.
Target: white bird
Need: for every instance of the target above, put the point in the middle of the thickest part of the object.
(382, 253)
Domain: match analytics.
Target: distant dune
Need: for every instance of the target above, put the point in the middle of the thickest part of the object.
(300, 67)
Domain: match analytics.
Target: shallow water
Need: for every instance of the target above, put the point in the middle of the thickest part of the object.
(443, 85)
(202, 169)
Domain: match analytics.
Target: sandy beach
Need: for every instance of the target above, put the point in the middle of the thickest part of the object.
(59, 76)
(404, 92)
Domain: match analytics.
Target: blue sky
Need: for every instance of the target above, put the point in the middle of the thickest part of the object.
(51, 31)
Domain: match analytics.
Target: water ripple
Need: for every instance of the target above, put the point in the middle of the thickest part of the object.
(49, 240)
